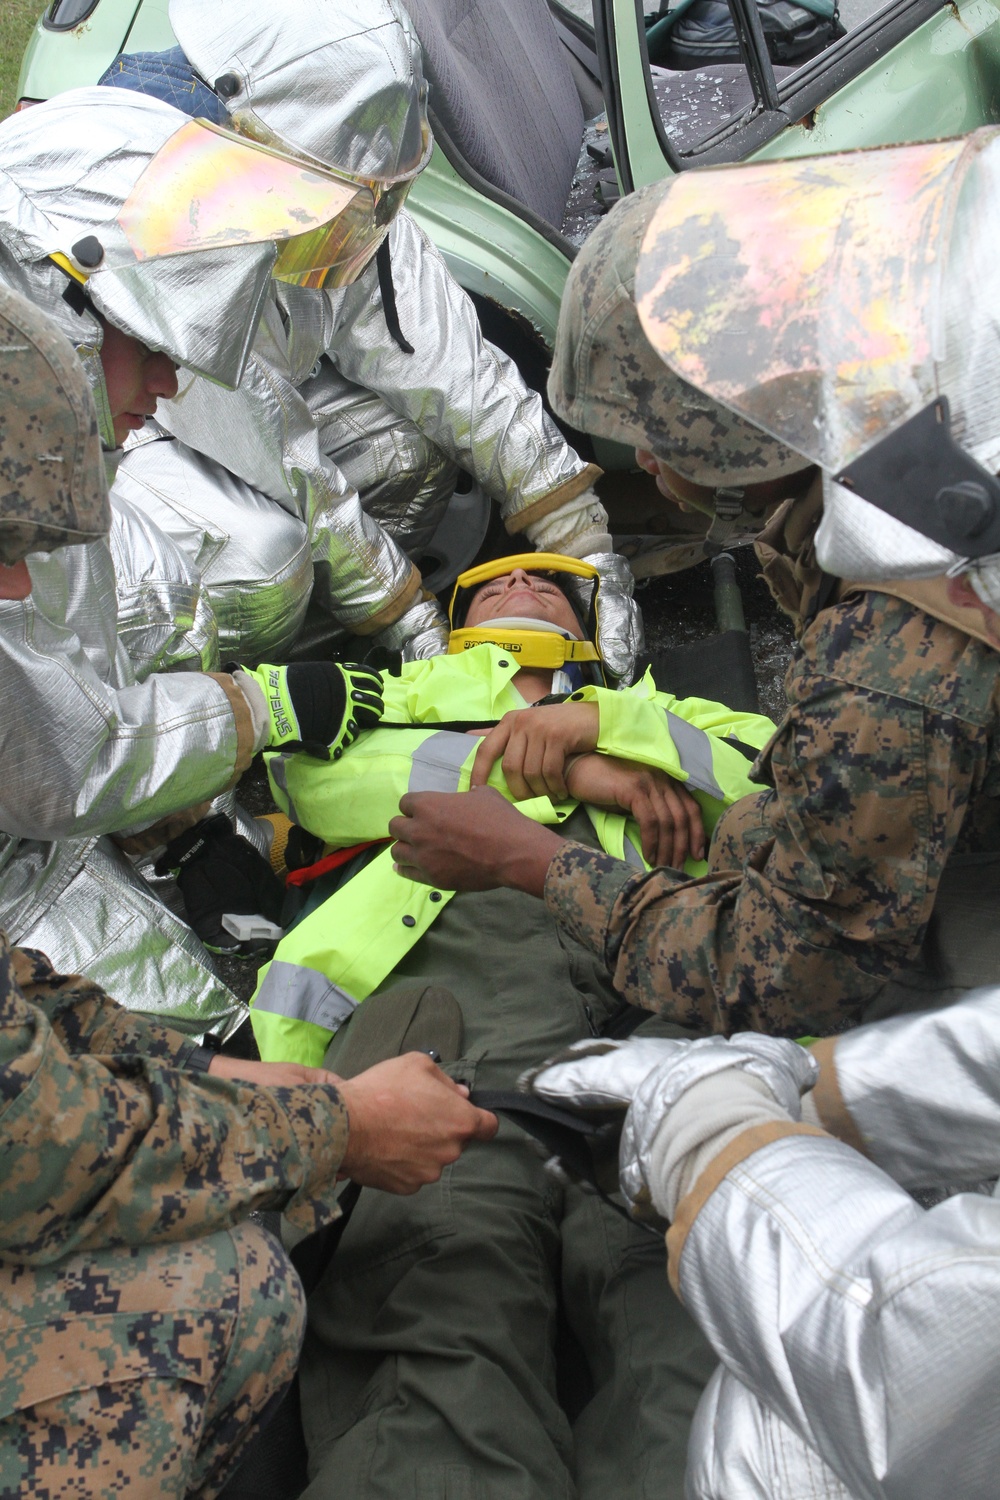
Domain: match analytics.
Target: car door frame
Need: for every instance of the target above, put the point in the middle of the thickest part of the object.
(848, 96)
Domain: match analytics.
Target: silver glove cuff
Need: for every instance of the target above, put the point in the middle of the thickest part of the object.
(785, 1068)
(578, 528)
(257, 705)
(621, 638)
(420, 633)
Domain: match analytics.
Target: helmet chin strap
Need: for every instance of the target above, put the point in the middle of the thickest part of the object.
(387, 291)
(88, 347)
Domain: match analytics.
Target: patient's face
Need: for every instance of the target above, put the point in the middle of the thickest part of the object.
(528, 595)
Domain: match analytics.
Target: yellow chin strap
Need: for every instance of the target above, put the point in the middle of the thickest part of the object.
(532, 648)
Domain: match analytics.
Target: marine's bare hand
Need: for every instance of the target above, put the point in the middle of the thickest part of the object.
(408, 1121)
(669, 818)
(533, 746)
(273, 1075)
(471, 841)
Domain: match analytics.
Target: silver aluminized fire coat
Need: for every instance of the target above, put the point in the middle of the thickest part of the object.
(404, 479)
(60, 182)
(165, 618)
(82, 903)
(250, 557)
(459, 391)
(265, 435)
(343, 84)
(859, 1332)
(108, 753)
(86, 749)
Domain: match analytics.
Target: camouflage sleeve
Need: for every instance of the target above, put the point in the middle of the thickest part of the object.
(102, 1151)
(819, 890)
(85, 1019)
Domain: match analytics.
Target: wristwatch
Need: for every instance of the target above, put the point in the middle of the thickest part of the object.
(199, 1059)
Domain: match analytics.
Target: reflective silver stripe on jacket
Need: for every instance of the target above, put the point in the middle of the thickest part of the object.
(632, 857)
(438, 762)
(694, 747)
(278, 772)
(304, 995)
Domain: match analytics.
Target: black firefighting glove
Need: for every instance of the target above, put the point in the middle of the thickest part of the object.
(319, 706)
(218, 872)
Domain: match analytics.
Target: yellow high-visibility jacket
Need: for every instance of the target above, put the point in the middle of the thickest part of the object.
(347, 948)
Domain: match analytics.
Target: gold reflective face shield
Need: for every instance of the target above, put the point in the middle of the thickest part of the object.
(532, 648)
(361, 228)
(807, 295)
(207, 187)
(364, 225)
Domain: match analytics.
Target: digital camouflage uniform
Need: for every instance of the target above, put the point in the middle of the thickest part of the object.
(885, 772)
(886, 766)
(142, 1336)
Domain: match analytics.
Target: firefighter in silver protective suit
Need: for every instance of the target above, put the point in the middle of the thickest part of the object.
(360, 401)
(110, 216)
(858, 1331)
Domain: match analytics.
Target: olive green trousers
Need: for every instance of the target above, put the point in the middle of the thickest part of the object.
(430, 1368)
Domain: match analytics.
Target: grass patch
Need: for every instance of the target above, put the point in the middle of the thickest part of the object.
(17, 19)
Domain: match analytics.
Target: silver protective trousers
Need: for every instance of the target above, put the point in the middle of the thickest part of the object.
(83, 904)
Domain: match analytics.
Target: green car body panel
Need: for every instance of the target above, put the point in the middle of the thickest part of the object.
(943, 79)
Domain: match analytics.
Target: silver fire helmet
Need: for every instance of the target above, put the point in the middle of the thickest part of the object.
(846, 305)
(166, 226)
(337, 82)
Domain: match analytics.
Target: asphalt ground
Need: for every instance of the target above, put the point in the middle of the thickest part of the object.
(679, 610)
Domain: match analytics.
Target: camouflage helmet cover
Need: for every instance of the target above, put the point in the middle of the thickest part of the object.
(53, 491)
(608, 379)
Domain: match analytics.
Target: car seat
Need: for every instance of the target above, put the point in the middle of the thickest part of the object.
(503, 96)
(511, 88)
